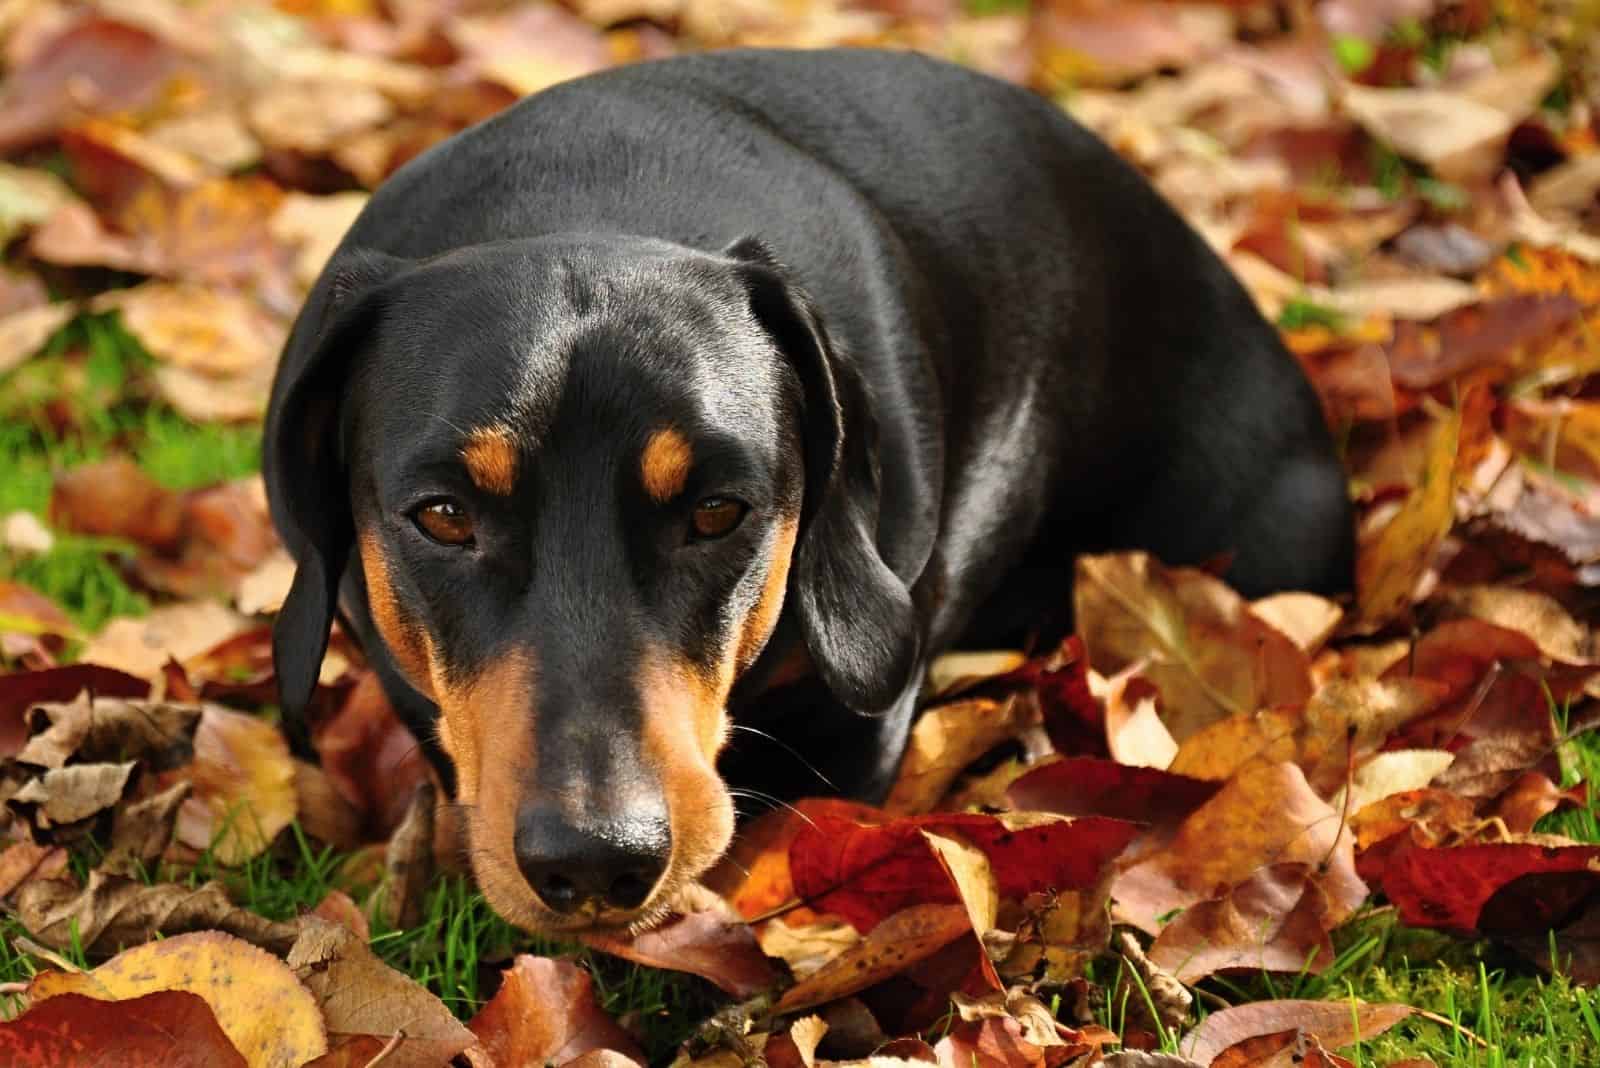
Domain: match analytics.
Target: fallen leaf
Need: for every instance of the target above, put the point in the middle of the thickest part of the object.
(64, 796)
(1207, 654)
(141, 647)
(112, 911)
(901, 940)
(114, 498)
(408, 862)
(1336, 1023)
(214, 332)
(1533, 887)
(160, 734)
(1265, 814)
(1393, 772)
(243, 784)
(1274, 921)
(1308, 620)
(21, 861)
(945, 740)
(545, 1013)
(1085, 786)
(23, 333)
(703, 944)
(865, 873)
(371, 757)
(165, 1029)
(1389, 567)
(358, 995)
(1459, 138)
(267, 1015)
(95, 62)
(22, 690)
(1530, 613)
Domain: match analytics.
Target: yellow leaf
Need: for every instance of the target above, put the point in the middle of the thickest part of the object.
(1389, 567)
(262, 1008)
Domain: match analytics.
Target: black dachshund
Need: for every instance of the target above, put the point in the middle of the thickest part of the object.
(731, 389)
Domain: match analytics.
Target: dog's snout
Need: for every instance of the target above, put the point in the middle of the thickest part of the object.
(601, 868)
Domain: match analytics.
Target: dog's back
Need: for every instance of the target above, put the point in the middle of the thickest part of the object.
(1006, 283)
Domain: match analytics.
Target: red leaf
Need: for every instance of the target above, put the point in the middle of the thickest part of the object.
(545, 1013)
(866, 873)
(21, 691)
(1073, 717)
(1086, 786)
(702, 944)
(167, 1029)
(1452, 888)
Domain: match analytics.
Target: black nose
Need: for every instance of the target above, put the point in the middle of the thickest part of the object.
(571, 867)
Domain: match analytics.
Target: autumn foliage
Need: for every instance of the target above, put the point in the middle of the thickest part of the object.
(1192, 785)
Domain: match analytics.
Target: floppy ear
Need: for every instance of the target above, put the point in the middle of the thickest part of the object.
(855, 613)
(304, 470)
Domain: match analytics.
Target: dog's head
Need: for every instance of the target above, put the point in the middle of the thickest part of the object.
(581, 479)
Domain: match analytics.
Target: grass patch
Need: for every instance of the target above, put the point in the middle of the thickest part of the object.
(86, 396)
(1528, 1021)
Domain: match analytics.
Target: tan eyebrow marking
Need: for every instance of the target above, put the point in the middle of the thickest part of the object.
(664, 464)
(491, 458)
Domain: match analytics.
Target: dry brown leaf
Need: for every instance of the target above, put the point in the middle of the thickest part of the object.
(358, 994)
(807, 947)
(115, 498)
(21, 861)
(268, 1016)
(1389, 567)
(900, 941)
(709, 944)
(545, 1013)
(158, 733)
(243, 786)
(408, 861)
(1458, 137)
(64, 796)
(112, 911)
(1393, 772)
(314, 227)
(1169, 998)
(171, 632)
(214, 332)
(23, 333)
(1307, 619)
(1265, 814)
(1536, 615)
(1336, 1023)
(313, 116)
(948, 738)
(1274, 921)
(1204, 650)
(142, 831)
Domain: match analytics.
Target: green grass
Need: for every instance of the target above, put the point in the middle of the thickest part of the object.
(84, 397)
(1527, 1020)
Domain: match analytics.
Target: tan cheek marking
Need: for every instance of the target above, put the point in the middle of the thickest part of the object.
(664, 464)
(486, 724)
(405, 637)
(490, 721)
(491, 458)
(761, 621)
(684, 727)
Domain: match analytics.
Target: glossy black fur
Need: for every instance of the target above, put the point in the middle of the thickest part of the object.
(989, 345)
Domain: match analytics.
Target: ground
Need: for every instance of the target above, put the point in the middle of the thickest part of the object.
(1409, 188)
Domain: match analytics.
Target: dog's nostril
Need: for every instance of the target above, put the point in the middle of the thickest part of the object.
(629, 889)
(558, 892)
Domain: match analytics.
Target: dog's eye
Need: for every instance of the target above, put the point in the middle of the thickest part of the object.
(446, 522)
(716, 517)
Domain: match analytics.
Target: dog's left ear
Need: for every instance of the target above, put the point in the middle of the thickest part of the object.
(855, 613)
(304, 470)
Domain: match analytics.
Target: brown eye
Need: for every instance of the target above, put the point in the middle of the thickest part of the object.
(716, 517)
(446, 522)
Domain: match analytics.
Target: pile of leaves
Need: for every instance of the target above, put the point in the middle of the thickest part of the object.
(1193, 794)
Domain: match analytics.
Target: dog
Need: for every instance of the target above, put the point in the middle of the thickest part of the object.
(711, 397)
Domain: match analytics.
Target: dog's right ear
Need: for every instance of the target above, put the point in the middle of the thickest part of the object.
(305, 473)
